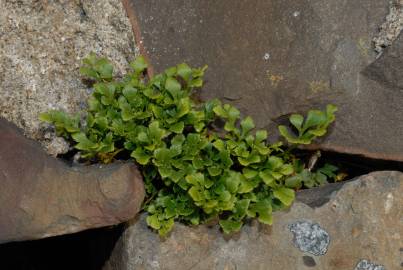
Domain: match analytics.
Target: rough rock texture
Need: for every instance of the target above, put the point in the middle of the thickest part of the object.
(41, 196)
(360, 227)
(272, 58)
(392, 26)
(388, 69)
(41, 47)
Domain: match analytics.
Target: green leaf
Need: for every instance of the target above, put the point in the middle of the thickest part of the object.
(294, 182)
(195, 193)
(83, 143)
(297, 120)
(105, 70)
(140, 156)
(219, 145)
(195, 179)
(330, 110)
(199, 72)
(219, 111)
(249, 173)
(287, 169)
(155, 131)
(266, 218)
(233, 113)
(198, 82)
(247, 125)
(328, 170)
(232, 181)
(261, 135)
(214, 171)
(267, 177)
(240, 209)
(153, 222)
(229, 226)
(290, 138)
(166, 227)
(263, 209)
(130, 93)
(89, 72)
(285, 195)
(246, 185)
(173, 87)
(252, 158)
(170, 72)
(184, 71)
(177, 128)
(314, 118)
(275, 162)
(139, 65)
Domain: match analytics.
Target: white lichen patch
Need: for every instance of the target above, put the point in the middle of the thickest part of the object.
(310, 237)
(388, 203)
(367, 265)
(391, 28)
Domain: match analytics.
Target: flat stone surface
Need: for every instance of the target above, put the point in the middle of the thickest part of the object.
(42, 44)
(41, 196)
(272, 58)
(363, 220)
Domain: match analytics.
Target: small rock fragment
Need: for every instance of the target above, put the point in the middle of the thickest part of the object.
(309, 261)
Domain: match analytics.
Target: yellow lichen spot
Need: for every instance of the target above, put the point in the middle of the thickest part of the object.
(363, 47)
(275, 79)
(318, 86)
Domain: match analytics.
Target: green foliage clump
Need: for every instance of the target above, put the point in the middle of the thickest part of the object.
(200, 161)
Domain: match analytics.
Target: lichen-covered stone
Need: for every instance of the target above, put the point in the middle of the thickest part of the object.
(366, 265)
(42, 44)
(363, 219)
(310, 237)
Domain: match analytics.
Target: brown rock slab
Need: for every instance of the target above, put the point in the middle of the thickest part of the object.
(272, 58)
(359, 227)
(41, 196)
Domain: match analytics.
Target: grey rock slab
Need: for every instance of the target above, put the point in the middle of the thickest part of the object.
(41, 196)
(42, 44)
(363, 219)
(272, 58)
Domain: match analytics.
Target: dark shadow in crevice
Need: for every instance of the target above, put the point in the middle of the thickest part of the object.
(352, 165)
(88, 250)
(356, 165)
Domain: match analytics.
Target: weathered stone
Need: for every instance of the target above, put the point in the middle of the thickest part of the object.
(272, 58)
(41, 196)
(42, 44)
(388, 69)
(363, 219)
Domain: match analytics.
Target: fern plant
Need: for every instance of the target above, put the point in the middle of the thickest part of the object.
(200, 161)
